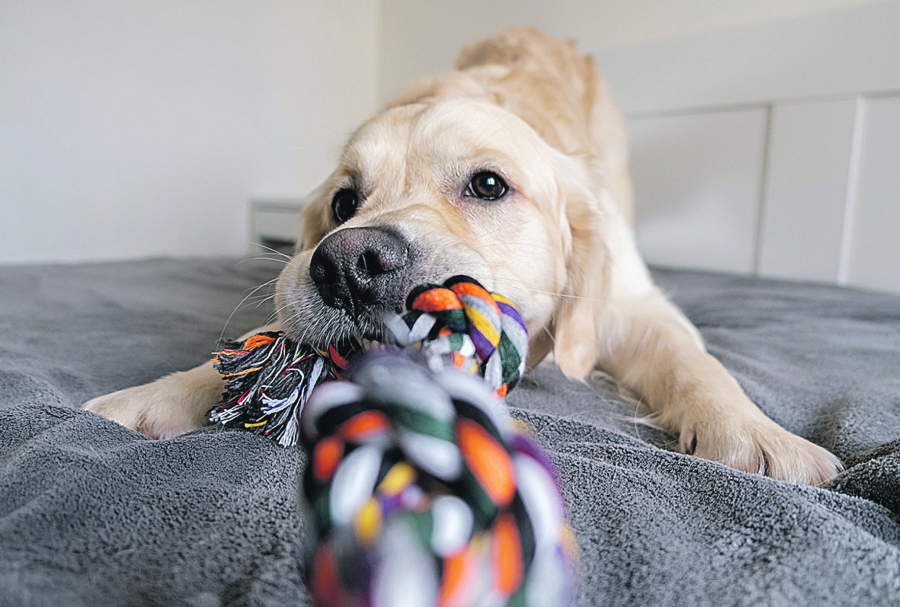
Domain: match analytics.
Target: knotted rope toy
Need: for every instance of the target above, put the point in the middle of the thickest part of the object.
(268, 380)
(422, 493)
(420, 490)
(270, 377)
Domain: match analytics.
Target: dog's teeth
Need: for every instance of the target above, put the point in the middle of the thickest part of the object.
(371, 344)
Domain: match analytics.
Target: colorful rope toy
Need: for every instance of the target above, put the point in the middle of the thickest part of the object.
(268, 380)
(420, 490)
(270, 377)
(422, 493)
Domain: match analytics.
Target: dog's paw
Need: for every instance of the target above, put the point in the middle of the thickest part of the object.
(758, 445)
(141, 410)
(162, 409)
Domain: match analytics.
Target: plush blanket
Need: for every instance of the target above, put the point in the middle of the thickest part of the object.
(94, 514)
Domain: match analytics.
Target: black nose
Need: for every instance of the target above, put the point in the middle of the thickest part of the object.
(355, 269)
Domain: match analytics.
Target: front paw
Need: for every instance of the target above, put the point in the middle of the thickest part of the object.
(151, 409)
(760, 446)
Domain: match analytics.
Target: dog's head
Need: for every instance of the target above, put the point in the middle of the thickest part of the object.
(458, 186)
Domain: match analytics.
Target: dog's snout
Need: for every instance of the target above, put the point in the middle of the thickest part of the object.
(358, 268)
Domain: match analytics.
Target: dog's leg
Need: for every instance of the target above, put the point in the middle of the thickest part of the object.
(655, 351)
(169, 406)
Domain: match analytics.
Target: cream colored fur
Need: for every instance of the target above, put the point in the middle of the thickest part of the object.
(529, 108)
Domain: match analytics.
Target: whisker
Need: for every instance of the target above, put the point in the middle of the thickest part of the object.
(263, 300)
(263, 258)
(564, 296)
(276, 251)
(238, 307)
(491, 232)
(514, 244)
(271, 318)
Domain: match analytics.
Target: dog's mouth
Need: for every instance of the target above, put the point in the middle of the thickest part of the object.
(306, 317)
(368, 325)
(332, 326)
(357, 280)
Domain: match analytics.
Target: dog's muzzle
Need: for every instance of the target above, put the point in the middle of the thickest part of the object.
(362, 270)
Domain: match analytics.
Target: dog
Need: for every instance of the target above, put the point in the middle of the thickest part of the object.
(513, 169)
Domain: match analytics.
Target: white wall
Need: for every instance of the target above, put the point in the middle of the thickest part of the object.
(422, 37)
(144, 127)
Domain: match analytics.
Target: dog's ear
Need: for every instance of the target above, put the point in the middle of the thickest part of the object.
(575, 325)
(315, 219)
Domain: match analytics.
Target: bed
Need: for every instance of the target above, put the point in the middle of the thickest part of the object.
(92, 513)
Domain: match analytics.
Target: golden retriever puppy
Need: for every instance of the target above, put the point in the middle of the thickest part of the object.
(513, 170)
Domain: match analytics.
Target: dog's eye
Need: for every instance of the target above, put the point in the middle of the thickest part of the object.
(344, 205)
(486, 186)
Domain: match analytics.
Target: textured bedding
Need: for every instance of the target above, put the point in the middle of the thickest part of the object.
(94, 514)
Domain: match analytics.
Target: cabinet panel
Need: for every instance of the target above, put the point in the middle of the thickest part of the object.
(874, 256)
(697, 181)
(810, 150)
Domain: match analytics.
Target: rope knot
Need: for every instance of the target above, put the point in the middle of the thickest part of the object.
(422, 493)
(461, 320)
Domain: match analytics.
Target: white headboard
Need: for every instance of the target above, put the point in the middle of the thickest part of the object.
(772, 149)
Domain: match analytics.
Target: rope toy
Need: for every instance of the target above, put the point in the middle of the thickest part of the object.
(420, 491)
(269, 377)
(268, 380)
(461, 323)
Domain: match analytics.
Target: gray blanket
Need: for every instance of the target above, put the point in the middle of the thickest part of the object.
(94, 514)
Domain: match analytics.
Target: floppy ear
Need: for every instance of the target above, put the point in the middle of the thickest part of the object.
(315, 219)
(576, 321)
